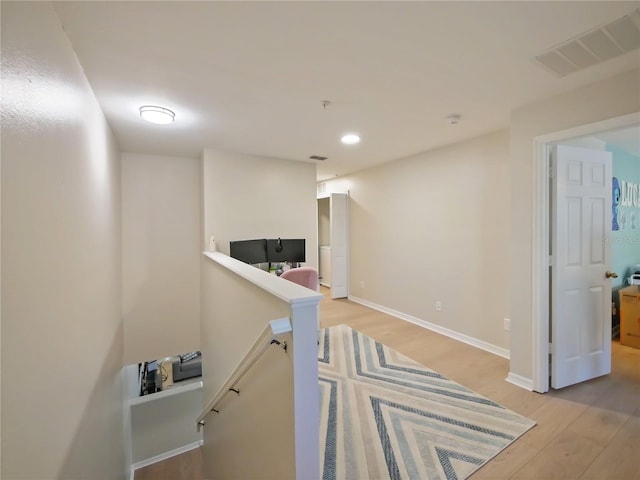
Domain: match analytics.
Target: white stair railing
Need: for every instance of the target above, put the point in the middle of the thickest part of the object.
(237, 303)
(271, 335)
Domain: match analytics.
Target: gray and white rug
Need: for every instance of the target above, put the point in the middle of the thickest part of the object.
(385, 416)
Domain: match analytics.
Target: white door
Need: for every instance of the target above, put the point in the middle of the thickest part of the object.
(580, 260)
(339, 227)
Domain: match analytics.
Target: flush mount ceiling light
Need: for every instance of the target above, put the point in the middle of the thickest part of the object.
(350, 139)
(157, 115)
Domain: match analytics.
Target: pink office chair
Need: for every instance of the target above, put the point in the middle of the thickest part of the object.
(305, 276)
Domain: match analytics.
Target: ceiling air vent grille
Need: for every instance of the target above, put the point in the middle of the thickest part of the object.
(595, 46)
(317, 157)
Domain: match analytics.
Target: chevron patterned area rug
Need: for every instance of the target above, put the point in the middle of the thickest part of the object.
(385, 416)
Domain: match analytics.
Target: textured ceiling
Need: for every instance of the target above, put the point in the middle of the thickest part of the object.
(250, 76)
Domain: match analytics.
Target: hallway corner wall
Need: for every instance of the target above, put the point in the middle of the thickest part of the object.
(62, 339)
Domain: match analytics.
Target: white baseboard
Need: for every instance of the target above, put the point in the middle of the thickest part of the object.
(520, 381)
(474, 342)
(164, 456)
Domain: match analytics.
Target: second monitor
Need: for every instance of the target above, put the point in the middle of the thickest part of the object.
(249, 251)
(286, 250)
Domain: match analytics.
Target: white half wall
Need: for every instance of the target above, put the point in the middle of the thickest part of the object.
(62, 342)
(435, 228)
(165, 425)
(254, 436)
(160, 256)
(247, 197)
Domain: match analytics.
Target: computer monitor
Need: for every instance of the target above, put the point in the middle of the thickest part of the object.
(286, 250)
(249, 251)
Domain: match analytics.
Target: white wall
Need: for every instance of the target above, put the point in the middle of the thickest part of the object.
(61, 260)
(616, 96)
(160, 256)
(435, 227)
(165, 424)
(247, 197)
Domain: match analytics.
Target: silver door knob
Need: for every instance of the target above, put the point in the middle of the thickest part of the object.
(609, 274)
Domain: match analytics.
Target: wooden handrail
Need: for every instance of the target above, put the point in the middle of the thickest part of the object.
(269, 336)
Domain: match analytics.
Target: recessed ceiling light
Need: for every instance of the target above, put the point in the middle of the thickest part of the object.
(157, 115)
(350, 139)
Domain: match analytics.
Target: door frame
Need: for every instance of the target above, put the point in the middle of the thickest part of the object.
(540, 237)
(327, 194)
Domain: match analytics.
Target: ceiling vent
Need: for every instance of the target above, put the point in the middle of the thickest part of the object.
(317, 157)
(595, 46)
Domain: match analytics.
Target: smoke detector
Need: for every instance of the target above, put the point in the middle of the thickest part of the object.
(453, 119)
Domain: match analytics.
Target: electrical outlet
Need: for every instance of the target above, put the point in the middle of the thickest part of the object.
(361, 283)
(507, 324)
(438, 306)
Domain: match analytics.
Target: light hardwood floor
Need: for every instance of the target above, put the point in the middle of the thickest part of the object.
(589, 431)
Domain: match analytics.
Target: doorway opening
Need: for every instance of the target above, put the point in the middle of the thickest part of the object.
(333, 243)
(541, 295)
